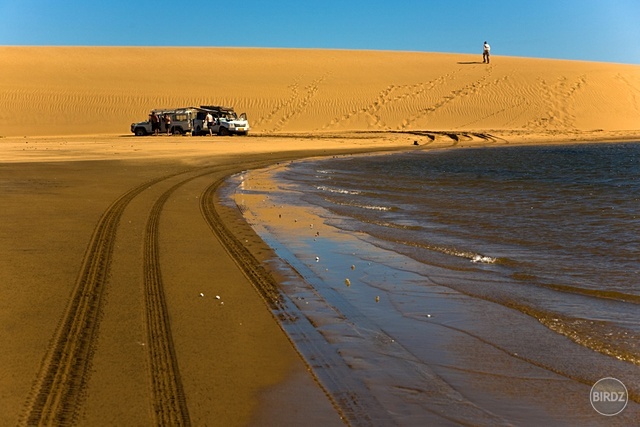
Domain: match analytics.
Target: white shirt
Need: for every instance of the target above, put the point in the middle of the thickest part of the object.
(487, 48)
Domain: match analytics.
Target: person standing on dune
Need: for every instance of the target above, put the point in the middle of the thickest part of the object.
(485, 53)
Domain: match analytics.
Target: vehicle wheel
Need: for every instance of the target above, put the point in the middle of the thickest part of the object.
(140, 132)
(223, 131)
(177, 131)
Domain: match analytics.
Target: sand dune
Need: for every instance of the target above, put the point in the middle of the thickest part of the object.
(101, 90)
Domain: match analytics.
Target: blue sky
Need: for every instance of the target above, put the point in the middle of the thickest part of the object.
(594, 30)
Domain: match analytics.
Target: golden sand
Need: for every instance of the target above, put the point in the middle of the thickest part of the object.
(68, 165)
(101, 90)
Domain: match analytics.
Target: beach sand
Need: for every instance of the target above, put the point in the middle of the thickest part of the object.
(112, 260)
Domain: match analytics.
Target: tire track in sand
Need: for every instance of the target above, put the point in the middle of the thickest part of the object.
(57, 391)
(168, 397)
(344, 397)
(266, 286)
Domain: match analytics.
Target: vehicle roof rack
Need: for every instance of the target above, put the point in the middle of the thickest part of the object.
(216, 108)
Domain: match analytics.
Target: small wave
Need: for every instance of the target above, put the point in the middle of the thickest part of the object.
(483, 259)
(471, 256)
(337, 190)
(373, 208)
(600, 336)
(369, 207)
(393, 225)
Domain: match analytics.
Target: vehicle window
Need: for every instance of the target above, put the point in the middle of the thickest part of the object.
(181, 117)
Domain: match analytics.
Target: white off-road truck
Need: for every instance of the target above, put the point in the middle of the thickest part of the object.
(225, 121)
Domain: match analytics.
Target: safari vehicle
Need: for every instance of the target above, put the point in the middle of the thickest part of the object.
(181, 122)
(225, 121)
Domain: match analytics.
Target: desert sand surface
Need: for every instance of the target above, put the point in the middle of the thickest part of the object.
(130, 294)
(75, 90)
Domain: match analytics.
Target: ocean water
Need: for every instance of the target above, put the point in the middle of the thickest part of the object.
(530, 252)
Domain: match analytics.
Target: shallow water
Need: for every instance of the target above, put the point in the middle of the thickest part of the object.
(474, 276)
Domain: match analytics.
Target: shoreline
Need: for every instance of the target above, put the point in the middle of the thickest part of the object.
(74, 182)
(130, 147)
(259, 195)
